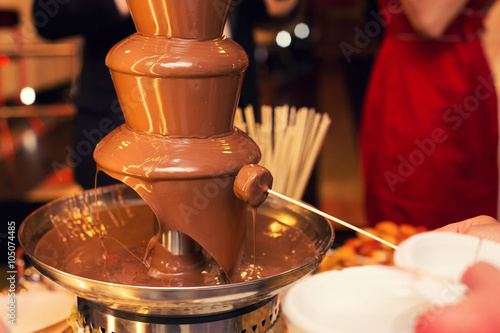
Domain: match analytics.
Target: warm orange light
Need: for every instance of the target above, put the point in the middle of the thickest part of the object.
(4, 60)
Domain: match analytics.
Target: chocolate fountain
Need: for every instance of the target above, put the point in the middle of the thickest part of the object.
(175, 250)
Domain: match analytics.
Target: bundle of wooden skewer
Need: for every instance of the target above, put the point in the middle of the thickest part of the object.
(290, 141)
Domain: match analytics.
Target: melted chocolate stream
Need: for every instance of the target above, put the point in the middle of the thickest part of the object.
(178, 82)
(125, 229)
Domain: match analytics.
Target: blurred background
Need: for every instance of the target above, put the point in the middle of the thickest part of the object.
(318, 60)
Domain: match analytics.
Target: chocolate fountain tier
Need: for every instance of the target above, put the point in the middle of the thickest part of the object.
(198, 19)
(126, 152)
(187, 182)
(178, 87)
(54, 232)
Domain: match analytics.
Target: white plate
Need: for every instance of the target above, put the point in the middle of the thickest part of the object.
(36, 310)
(447, 255)
(375, 299)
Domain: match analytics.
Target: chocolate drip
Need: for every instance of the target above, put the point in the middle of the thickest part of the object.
(251, 184)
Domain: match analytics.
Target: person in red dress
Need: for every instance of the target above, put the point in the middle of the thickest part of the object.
(429, 133)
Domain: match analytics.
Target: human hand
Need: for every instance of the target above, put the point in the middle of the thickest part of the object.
(479, 312)
(484, 227)
(280, 7)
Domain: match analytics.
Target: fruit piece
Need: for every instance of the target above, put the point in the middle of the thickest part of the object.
(352, 243)
(372, 231)
(368, 247)
(390, 239)
(387, 228)
(251, 184)
(405, 231)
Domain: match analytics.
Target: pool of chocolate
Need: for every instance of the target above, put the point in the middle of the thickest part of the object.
(111, 245)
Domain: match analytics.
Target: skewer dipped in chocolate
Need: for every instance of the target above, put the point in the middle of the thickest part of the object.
(252, 184)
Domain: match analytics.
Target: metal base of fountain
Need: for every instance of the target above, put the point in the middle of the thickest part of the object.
(261, 317)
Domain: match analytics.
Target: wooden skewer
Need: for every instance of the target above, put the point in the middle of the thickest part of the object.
(296, 153)
(313, 155)
(329, 217)
(250, 119)
(290, 141)
(239, 121)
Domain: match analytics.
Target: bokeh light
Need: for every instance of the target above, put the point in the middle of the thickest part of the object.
(28, 96)
(302, 31)
(283, 39)
(4, 60)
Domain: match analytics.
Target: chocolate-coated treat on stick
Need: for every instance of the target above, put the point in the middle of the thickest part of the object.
(252, 183)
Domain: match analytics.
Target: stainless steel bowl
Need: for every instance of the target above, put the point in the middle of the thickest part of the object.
(75, 215)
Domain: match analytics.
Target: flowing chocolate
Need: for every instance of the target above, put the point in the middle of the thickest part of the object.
(251, 184)
(77, 249)
(178, 82)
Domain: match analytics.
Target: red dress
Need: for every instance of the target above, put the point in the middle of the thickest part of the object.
(429, 134)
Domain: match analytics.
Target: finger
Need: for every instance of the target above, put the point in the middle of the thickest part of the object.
(461, 227)
(477, 313)
(469, 316)
(485, 231)
(445, 320)
(482, 276)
